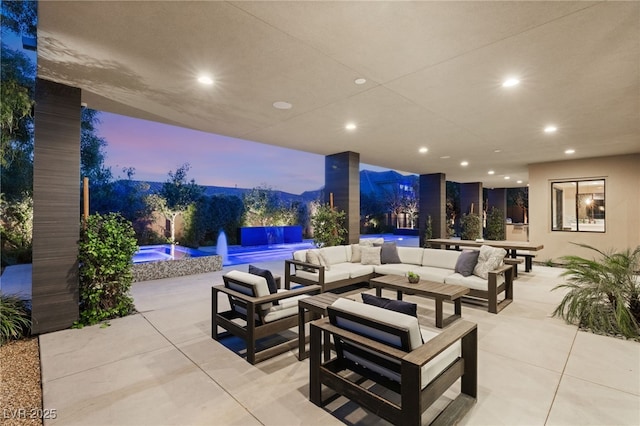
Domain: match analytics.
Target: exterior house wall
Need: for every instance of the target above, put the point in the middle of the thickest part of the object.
(622, 201)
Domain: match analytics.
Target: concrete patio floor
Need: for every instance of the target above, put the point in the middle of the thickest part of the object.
(161, 367)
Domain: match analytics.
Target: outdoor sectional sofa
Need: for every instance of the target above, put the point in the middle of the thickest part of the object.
(339, 268)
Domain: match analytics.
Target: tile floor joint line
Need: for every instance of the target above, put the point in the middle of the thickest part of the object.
(555, 393)
(201, 369)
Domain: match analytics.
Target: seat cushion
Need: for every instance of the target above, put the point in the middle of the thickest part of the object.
(431, 273)
(258, 287)
(472, 281)
(286, 308)
(395, 268)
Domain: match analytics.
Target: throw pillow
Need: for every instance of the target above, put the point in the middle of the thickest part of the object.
(467, 262)
(390, 304)
(356, 255)
(267, 275)
(370, 255)
(389, 253)
(489, 259)
(317, 258)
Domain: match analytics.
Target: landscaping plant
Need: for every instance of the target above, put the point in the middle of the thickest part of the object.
(15, 318)
(495, 225)
(328, 226)
(604, 295)
(107, 245)
(471, 226)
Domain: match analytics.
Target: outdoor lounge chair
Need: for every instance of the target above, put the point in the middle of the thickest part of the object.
(386, 348)
(255, 313)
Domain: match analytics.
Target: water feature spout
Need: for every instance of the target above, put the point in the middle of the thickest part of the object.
(221, 247)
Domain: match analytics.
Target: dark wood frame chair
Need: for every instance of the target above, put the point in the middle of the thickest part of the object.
(255, 326)
(290, 277)
(414, 400)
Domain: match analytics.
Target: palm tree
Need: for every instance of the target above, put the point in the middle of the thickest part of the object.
(604, 295)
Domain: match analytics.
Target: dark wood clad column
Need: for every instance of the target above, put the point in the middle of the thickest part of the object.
(56, 206)
(342, 178)
(471, 193)
(433, 202)
(498, 198)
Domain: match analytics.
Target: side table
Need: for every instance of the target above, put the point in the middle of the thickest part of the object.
(317, 305)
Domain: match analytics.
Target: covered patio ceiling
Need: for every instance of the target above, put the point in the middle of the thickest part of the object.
(433, 70)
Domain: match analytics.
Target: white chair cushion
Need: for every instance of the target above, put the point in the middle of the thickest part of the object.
(286, 308)
(300, 255)
(258, 283)
(329, 276)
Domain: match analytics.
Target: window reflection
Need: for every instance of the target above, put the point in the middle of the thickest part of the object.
(578, 206)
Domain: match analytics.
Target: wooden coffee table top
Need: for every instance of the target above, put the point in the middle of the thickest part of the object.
(422, 287)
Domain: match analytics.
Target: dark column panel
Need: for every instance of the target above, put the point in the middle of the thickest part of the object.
(342, 179)
(433, 201)
(471, 194)
(56, 206)
(497, 198)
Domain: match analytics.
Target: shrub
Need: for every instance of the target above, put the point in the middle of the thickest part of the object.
(15, 318)
(471, 226)
(107, 245)
(604, 295)
(328, 226)
(495, 225)
(428, 231)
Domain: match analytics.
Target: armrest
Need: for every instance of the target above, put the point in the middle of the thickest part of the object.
(500, 270)
(290, 262)
(442, 341)
(269, 298)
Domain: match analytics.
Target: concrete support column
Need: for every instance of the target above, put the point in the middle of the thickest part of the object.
(433, 202)
(56, 206)
(342, 179)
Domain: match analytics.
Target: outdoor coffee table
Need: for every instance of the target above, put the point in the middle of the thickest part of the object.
(318, 306)
(431, 289)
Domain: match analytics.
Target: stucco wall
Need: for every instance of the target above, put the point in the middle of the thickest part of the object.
(622, 175)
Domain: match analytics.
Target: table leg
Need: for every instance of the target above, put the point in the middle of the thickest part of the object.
(302, 353)
(399, 295)
(379, 291)
(439, 313)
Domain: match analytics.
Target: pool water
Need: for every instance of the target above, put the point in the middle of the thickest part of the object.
(156, 253)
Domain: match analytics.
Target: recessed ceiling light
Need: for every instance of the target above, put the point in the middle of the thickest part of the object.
(444, 157)
(570, 151)
(550, 129)
(350, 126)
(360, 80)
(423, 150)
(510, 82)
(519, 181)
(497, 150)
(205, 79)
(282, 105)
(507, 177)
(464, 163)
(491, 172)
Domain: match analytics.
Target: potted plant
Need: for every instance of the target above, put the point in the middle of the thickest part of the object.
(413, 277)
(328, 226)
(604, 294)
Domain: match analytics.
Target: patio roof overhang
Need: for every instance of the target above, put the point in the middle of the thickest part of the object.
(433, 75)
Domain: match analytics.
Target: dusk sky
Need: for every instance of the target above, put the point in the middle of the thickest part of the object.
(154, 149)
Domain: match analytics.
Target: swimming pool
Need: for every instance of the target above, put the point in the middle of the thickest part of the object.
(159, 252)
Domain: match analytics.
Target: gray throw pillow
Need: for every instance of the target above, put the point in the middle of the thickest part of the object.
(389, 253)
(466, 262)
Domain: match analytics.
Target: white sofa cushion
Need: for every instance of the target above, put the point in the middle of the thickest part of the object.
(472, 281)
(286, 307)
(412, 255)
(336, 274)
(440, 258)
(335, 254)
(430, 273)
(395, 268)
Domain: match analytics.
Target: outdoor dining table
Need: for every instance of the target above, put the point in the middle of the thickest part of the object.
(510, 246)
